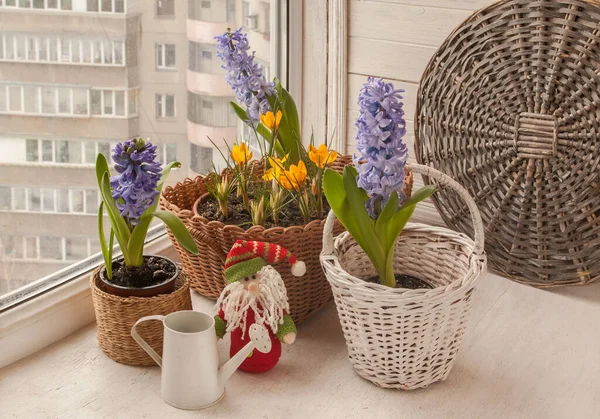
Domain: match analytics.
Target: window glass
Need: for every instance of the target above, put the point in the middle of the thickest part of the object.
(108, 102)
(80, 101)
(95, 98)
(169, 55)
(76, 248)
(118, 49)
(170, 105)
(3, 98)
(92, 5)
(119, 103)
(64, 100)
(165, 7)
(32, 150)
(89, 151)
(77, 98)
(48, 200)
(5, 198)
(35, 199)
(75, 50)
(47, 147)
(32, 99)
(31, 248)
(50, 248)
(14, 99)
(91, 201)
(48, 100)
(20, 198)
(77, 200)
(62, 200)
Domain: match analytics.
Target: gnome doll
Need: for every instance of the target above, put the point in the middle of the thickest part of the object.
(255, 293)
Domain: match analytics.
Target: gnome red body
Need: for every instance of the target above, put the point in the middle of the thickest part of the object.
(256, 294)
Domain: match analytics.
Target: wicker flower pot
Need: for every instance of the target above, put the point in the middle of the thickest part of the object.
(214, 239)
(116, 315)
(398, 338)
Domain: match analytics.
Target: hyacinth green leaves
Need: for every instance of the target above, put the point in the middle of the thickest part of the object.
(377, 237)
(130, 236)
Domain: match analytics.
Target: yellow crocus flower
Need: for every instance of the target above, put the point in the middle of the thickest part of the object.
(322, 156)
(270, 121)
(295, 177)
(241, 154)
(276, 168)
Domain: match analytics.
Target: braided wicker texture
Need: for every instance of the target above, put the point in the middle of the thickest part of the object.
(306, 295)
(508, 106)
(398, 338)
(115, 317)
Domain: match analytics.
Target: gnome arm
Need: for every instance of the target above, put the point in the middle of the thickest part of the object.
(220, 324)
(286, 327)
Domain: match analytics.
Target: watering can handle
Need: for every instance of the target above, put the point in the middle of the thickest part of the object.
(156, 357)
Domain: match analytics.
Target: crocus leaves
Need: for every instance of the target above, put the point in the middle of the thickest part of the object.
(131, 238)
(288, 131)
(377, 237)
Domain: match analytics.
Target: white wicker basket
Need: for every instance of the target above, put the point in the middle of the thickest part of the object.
(400, 338)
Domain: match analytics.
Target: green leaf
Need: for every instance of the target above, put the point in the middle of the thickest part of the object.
(103, 247)
(397, 224)
(382, 223)
(422, 194)
(165, 174)
(240, 112)
(117, 222)
(178, 229)
(289, 128)
(356, 198)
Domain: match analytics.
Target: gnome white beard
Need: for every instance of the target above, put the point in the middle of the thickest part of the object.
(269, 303)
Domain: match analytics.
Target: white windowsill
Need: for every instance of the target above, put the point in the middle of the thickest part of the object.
(527, 353)
(49, 317)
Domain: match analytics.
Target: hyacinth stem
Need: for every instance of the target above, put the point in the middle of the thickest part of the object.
(389, 276)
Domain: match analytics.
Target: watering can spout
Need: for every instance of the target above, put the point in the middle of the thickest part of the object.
(259, 339)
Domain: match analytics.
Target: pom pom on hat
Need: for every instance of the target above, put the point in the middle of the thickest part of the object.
(298, 268)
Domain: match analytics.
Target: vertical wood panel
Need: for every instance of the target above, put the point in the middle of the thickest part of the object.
(314, 74)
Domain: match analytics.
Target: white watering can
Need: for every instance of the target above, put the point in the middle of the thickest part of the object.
(191, 377)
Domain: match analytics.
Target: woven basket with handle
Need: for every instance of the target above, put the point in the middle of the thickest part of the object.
(399, 338)
(306, 294)
(115, 316)
(509, 106)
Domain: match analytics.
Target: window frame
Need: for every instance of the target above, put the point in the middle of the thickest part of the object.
(51, 308)
(161, 57)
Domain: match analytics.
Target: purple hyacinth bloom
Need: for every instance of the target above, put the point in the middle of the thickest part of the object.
(382, 151)
(134, 188)
(243, 75)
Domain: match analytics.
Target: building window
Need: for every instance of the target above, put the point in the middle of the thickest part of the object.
(201, 158)
(50, 200)
(105, 6)
(166, 153)
(212, 111)
(165, 8)
(201, 58)
(205, 4)
(62, 50)
(165, 56)
(165, 106)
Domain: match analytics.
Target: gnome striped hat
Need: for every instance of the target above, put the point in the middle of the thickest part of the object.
(248, 257)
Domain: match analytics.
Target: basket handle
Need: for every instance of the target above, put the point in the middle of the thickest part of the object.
(443, 180)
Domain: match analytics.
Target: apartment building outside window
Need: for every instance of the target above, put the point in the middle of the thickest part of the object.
(165, 56)
(165, 106)
(203, 58)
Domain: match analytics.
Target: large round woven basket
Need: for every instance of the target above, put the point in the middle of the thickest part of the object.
(306, 295)
(399, 338)
(509, 107)
(116, 315)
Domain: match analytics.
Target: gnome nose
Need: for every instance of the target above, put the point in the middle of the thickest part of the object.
(253, 287)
